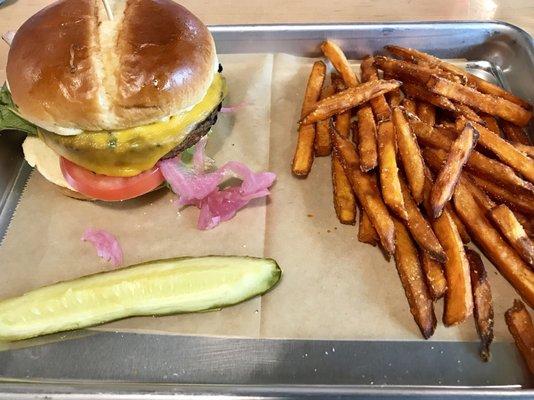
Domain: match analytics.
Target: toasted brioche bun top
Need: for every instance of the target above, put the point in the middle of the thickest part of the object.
(70, 68)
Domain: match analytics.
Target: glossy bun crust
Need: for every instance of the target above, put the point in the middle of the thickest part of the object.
(72, 68)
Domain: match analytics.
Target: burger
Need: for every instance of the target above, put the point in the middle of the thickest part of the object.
(110, 89)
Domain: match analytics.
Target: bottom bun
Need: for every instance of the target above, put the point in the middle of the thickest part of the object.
(72, 193)
(45, 160)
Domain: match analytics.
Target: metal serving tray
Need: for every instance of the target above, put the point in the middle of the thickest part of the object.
(92, 365)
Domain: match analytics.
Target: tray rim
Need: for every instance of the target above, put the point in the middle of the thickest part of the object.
(275, 27)
(137, 391)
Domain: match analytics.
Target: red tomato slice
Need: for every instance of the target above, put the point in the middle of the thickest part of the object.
(110, 188)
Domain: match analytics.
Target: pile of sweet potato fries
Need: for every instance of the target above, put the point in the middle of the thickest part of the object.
(433, 157)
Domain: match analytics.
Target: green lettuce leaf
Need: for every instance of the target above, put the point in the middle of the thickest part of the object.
(186, 156)
(9, 118)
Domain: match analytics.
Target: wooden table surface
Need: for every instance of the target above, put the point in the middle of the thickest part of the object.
(517, 12)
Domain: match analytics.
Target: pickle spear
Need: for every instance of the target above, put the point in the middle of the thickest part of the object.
(171, 286)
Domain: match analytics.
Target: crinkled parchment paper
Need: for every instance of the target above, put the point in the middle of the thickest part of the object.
(333, 287)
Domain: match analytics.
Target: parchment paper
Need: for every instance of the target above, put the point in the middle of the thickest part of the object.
(333, 287)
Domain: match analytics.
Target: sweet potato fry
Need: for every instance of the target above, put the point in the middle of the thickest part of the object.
(504, 150)
(337, 82)
(366, 190)
(494, 90)
(303, 158)
(366, 231)
(409, 105)
(354, 132)
(483, 305)
(448, 129)
(411, 276)
(492, 124)
(336, 56)
(394, 98)
(477, 162)
(492, 105)
(467, 112)
(528, 150)
(426, 112)
(449, 174)
(515, 134)
(344, 201)
(435, 278)
(527, 223)
(428, 187)
(367, 146)
(343, 197)
(389, 172)
(313, 87)
(446, 121)
(343, 118)
(455, 108)
(507, 223)
(478, 194)
(458, 299)
(413, 55)
(522, 202)
(368, 69)
(498, 251)
(352, 97)
(379, 104)
(429, 135)
(520, 326)
(343, 124)
(323, 143)
(435, 159)
(419, 227)
(459, 224)
(408, 71)
(427, 60)
(420, 92)
(410, 155)
(437, 162)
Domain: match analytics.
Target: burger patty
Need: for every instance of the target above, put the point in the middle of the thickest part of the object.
(192, 138)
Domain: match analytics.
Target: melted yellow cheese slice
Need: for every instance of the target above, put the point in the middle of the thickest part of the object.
(131, 151)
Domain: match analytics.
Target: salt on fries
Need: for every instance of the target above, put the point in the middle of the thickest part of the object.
(349, 98)
(417, 113)
(449, 174)
(367, 192)
(520, 326)
(419, 57)
(411, 276)
(379, 104)
(494, 246)
(304, 152)
(343, 197)
(482, 301)
(496, 106)
(507, 223)
(410, 155)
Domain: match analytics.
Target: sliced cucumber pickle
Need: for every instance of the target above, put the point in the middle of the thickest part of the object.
(178, 285)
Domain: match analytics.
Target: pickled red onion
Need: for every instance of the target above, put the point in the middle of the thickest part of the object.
(235, 107)
(107, 246)
(201, 189)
